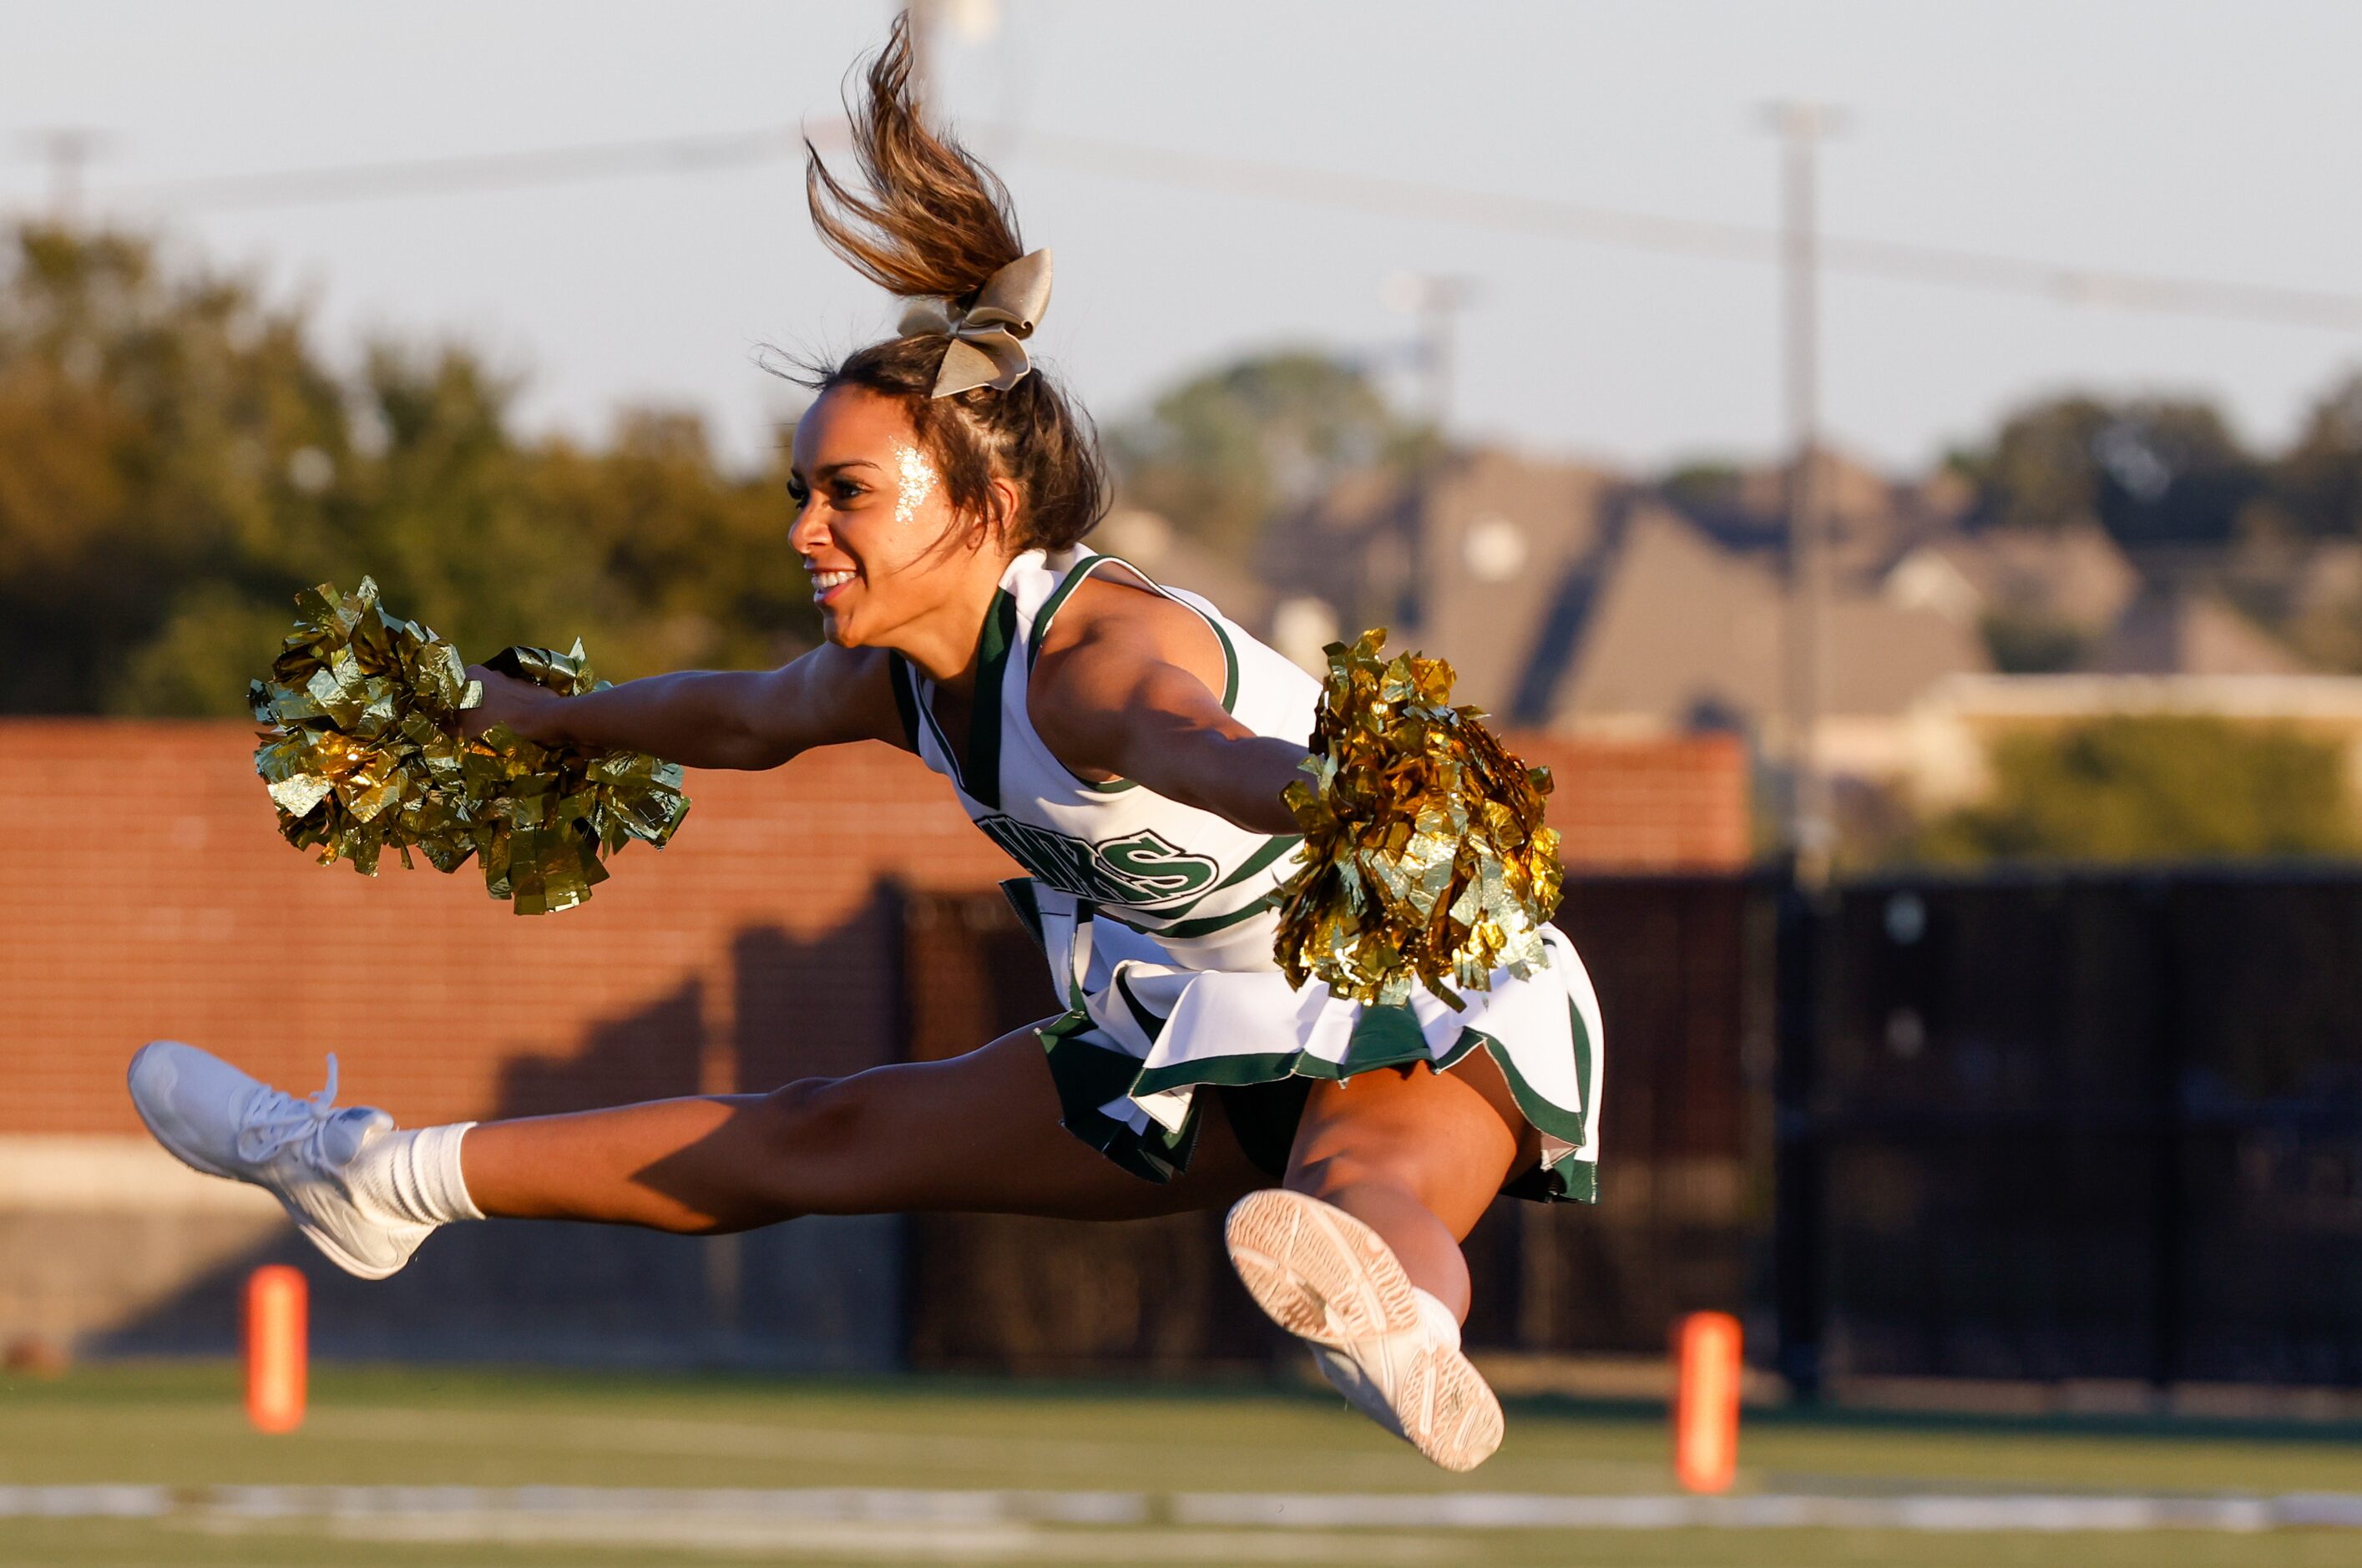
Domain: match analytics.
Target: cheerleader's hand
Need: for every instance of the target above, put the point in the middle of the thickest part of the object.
(524, 706)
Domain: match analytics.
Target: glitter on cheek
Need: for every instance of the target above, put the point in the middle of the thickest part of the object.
(918, 484)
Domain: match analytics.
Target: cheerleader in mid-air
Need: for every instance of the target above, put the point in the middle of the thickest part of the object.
(1128, 745)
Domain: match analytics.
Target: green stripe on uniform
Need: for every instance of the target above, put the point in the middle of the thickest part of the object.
(1087, 1077)
(1089, 1074)
(983, 763)
(1582, 1033)
(1074, 579)
(1059, 596)
(977, 773)
(1382, 1052)
(1230, 657)
(1383, 1037)
(1272, 850)
(1188, 928)
(1151, 1025)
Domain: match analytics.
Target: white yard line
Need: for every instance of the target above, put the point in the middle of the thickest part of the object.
(838, 1540)
(1009, 1524)
(593, 1432)
(950, 1457)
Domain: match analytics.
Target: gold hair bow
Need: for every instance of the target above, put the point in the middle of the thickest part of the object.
(988, 337)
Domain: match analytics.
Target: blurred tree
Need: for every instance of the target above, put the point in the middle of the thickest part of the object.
(2153, 471)
(1703, 486)
(2152, 787)
(144, 430)
(176, 460)
(691, 569)
(2318, 482)
(1219, 456)
(2024, 642)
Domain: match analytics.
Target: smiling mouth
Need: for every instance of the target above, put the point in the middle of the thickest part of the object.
(827, 584)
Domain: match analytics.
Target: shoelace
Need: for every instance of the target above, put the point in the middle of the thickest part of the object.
(277, 1119)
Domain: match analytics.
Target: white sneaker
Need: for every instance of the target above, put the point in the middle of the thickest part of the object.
(1327, 1278)
(225, 1123)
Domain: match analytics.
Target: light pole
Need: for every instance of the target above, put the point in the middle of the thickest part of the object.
(973, 20)
(1435, 298)
(68, 151)
(1812, 833)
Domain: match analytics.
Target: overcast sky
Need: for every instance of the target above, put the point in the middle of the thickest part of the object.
(2214, 140)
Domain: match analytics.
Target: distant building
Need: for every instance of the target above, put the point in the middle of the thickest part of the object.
(1869, 521)
(2174, 631)
(1484, 563)
(1572, 599)
(2074, 577)
(1683, 636)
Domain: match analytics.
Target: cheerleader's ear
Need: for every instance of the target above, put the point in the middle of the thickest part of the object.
(1008, 507)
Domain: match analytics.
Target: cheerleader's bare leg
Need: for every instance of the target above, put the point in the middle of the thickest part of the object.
(975, 1132)
(979, 1132)
(1358, 1253)
(1416, 1155)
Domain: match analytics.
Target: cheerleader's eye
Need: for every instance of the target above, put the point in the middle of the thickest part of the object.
(798, 494)
(846, 490)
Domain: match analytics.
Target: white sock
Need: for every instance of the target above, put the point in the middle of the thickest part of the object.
(415, 1174)
(1441, 1326)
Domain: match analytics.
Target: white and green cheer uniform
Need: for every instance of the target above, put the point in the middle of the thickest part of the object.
(1157, 920)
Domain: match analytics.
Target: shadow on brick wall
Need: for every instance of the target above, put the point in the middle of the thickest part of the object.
(655, 1052)
(822, 1292)
(930, 976)
(1677, 963)
(1013, 1293)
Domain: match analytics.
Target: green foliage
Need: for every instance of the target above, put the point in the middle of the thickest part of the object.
(2318, 483)
(1219, 456)
(2026, 644)
(2152, 787)
(1704, 485)
(177, 459)
(2152, 471)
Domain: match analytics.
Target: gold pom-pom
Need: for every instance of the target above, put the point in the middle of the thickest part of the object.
(1426, 859)
(369, 751)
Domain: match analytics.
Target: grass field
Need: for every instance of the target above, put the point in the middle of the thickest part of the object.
(179, 1427)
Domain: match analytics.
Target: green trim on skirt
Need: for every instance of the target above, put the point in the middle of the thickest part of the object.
(1264, 1094)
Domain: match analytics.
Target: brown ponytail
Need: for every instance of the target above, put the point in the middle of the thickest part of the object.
(934, 222)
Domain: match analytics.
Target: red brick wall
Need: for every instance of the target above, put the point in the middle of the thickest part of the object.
(145, 892)
(1646, 805)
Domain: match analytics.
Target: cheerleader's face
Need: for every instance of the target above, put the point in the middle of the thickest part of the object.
(878, 534)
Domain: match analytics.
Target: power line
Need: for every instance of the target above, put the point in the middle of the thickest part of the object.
(1379, 195)
(1391, 198)
(332, 184)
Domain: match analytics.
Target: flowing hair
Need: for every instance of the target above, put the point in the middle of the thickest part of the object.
(929, 221)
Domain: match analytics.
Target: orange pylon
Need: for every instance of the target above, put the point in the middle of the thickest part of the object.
(276, 1348)
(1705, 1403)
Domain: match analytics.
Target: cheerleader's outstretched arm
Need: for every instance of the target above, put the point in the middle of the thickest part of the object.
(701, 718)
(1125, 695)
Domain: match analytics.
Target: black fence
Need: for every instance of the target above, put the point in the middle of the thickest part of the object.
(2074, 1126)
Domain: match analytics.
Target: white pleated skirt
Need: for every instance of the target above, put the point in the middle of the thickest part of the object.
(1152, 1025)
